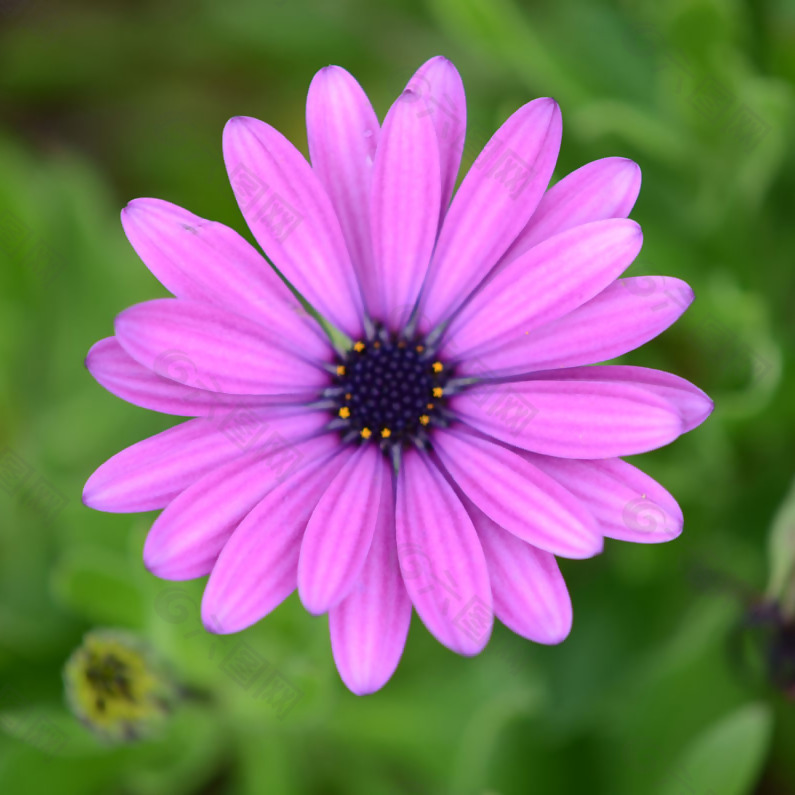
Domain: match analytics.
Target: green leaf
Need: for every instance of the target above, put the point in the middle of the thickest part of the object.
(727, 758)
(52, 731)
(781, 553)
(96, 584)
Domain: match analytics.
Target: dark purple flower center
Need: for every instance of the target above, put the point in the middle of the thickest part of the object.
(389, 390)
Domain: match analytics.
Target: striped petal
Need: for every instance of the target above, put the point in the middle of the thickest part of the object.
(530, 594)
(147, 475)
(343, 133)
(208, 262)
(231, 354)
(404, 209)
(517, 496)
(340, 531)
(187, 537)
(440, 90)
(369, 627)
(441, 558)
(622, 317)
(292, 217)
(628, 504)
(492, 205)
(571, 419)
(549, 281)
(606, 188)
(258, 567)
(176, 388)
(692, 404)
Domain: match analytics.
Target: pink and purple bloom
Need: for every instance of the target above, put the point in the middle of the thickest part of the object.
(453, 435)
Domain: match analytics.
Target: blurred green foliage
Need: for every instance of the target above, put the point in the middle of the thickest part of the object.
(104, 102)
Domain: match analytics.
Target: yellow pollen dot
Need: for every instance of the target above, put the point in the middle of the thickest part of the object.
(340, 369)
(420, 348)
(438, 367)
(345, 412)
(437, 391)
(366, 433)
(359, 347)
(386, 433)
(348, 396)
(429, 405)
(376, 344)
(424, 419)
(402, 344)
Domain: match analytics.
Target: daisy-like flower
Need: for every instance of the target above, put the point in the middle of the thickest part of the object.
(458, 442)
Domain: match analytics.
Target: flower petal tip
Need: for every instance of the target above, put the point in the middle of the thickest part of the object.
(709, 407)
(97, 492)
(213, 625)
(237, 123)
(131, 208)
(88, 499)
(364, 686)
(313, 603)
(554, 626)
(550, 105)
(628, 163)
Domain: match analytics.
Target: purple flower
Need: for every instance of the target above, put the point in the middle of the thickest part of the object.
(457, 442)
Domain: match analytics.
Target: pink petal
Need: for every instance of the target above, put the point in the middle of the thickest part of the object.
(187, 537)
(618, 320)
(208, 262)
(369, 627)
(147, 475)
(343, 134)
(441, 558)
(530, 594)
(492, 205)
(606, 188)
(441, 93)
(515, 495)
(176, 391)
(404, 209)
(628, 504)
(292, 218)
(550, 280)
(693, 405)
(571, 419)
(258, 568)
(340, 531)
(231, 354)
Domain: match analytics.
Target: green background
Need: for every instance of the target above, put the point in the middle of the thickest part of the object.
(655, 691)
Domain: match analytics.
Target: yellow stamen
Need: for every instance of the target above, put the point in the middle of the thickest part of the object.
(437, 391)
(348, 396)
(340, 369)
(420, 348)
(366, 433)
(359, 347)
(376, 344)
(345, 412)
(438, 367)
(424, 419)
(386, 433)
(429, 405)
